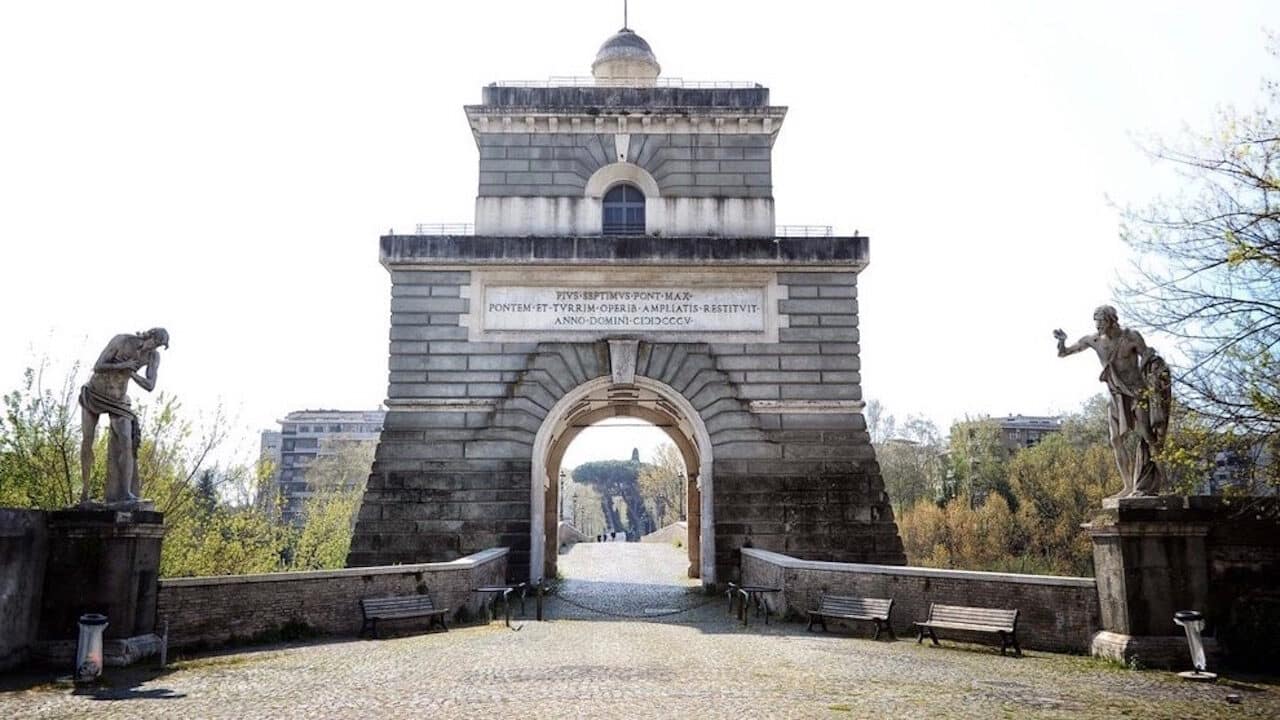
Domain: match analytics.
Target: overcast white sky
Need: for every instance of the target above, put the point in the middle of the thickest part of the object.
(225, 169)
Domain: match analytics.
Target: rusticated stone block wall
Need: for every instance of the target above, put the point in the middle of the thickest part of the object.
(715, 165)
(453, 481)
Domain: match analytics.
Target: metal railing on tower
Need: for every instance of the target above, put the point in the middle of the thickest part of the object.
(662, 82)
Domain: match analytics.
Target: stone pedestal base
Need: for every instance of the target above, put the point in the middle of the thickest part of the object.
(115, 653)
(1164, 652)
(102, 561)
(1150, 561)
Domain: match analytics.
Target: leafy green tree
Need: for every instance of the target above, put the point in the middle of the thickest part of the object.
(211, 525)
(926, 535)
(662, 485)
(329, 522)
(1196, 444)
(337, 481)
(588, 512)
(40, 443)
(206, 500)
(960, 534)
(341, 464)
(881, 425)
(911, 462)
(617, 482)
(1208, 267)
(229, 541)
(977, 461)
(1031, 524)
(1059, 486)
(1089, 426)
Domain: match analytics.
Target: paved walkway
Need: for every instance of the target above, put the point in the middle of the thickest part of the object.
(581, 664)
(628, 580)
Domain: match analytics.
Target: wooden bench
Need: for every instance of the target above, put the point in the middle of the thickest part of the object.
(400, 608)
(840, 607)
(1003, 623)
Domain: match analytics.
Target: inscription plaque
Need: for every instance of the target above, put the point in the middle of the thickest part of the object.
(627, 309)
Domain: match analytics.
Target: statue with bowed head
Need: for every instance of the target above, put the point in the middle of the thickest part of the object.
(123, 359)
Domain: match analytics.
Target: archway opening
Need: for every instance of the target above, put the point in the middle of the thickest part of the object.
(622, 479)
(666, 419)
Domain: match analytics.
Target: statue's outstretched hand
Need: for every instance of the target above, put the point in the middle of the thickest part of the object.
(1059, 335)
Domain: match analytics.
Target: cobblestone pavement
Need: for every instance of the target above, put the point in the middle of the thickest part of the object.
(635, 580)
(582, 664)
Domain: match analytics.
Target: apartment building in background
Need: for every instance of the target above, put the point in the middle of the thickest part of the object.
(306, 435)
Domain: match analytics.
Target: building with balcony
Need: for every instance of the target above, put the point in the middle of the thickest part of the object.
(1024, 431)
(306, 435)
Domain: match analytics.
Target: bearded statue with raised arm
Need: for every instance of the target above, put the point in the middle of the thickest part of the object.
(1139, 384)
(124, 358)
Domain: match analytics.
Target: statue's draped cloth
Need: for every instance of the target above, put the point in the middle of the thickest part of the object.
(1122, 399)
(97, 403)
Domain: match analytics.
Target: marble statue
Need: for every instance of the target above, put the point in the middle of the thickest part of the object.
(1138, 381)
(105, 392)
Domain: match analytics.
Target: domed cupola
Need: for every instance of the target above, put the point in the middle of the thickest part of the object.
(625, 59)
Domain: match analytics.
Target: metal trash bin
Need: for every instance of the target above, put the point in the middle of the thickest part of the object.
(1193, 623)
(89, 649)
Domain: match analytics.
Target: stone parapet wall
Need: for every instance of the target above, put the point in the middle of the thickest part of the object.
(212, 611)
(1058, 614)
(1243, 548)
(567, 534)
(677, 532)
(23, 553)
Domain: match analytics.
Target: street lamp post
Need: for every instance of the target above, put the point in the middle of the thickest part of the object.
(560, 492)
(682, 496)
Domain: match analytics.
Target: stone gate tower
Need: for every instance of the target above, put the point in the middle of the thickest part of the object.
(625, 262)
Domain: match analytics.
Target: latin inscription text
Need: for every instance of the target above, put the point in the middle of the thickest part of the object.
(639, 309)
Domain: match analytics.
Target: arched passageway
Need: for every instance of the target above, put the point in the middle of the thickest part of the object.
(644, 399)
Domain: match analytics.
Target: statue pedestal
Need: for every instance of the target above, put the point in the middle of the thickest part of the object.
(1150, 560)
(101, 561)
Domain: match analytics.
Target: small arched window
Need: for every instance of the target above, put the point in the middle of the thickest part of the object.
(624, 211)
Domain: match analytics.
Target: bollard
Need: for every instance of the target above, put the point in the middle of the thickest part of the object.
(1193, 622)
(89, 649)
(164, 645)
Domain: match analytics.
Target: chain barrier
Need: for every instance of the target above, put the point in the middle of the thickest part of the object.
(634, 616)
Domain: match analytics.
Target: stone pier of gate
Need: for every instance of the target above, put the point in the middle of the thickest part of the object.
(625, 261)
(485, 386)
